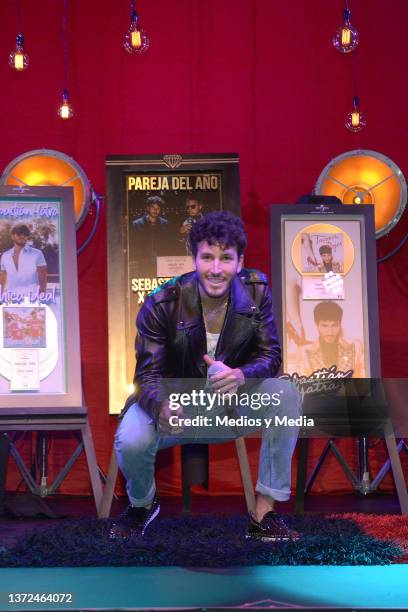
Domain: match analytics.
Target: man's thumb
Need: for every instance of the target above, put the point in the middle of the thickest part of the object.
(208, 360)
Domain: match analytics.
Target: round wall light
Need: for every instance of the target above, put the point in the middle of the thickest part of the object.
(48, 167)
(367, 177)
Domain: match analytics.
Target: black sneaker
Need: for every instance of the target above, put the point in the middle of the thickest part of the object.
(134, 521)
(272, 528)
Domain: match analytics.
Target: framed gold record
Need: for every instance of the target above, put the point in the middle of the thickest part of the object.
(311, 243)
(325, 293)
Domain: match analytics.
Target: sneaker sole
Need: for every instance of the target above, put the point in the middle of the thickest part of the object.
(270, 539)
(151, 518)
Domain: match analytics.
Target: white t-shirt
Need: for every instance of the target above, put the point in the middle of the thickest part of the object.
(25, 278)
(212, 341)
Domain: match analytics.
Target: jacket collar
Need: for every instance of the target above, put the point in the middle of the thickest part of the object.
(238, 323)
(190, 310)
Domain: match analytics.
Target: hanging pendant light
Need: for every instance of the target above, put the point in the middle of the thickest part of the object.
(18, 59)
(346, 37)
(355, 120)
(65, 110)
(136, 39)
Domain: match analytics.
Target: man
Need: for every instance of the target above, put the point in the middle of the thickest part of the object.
(328, 264)
(194, 212)
(23, 269)
(219, 317)
(150, 229)
(331, 348)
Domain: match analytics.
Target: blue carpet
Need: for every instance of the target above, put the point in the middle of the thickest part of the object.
(199, 541)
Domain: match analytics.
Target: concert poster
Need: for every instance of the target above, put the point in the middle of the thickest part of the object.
(158, 201)
(160, 210)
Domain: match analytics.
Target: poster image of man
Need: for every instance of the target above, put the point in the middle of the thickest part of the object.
(152, 215)
(328, 263)
(331, 347)
(194, 212)
(23, 268)
(151, 229)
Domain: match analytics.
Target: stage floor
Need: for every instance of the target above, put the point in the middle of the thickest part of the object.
(107, 588)
(174, 587)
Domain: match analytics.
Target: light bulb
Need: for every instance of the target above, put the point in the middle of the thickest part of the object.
(346, 37)
(136, 39)
(357, 200)
(18, 60)
(355, 120)
(65, 110)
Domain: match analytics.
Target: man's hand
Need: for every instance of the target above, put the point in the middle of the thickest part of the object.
(227, 380)
(164, 416)
(186, 227)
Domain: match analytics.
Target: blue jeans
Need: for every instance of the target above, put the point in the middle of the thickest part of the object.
(137, 441)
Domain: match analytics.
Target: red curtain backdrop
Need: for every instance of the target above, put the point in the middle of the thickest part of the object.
(256, 77)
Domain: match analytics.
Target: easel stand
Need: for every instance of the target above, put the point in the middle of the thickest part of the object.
(75, 420)
(367, 407)
(361, 481)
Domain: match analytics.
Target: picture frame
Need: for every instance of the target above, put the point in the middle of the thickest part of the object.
(144, 252)
(40, 365)
(324, 273)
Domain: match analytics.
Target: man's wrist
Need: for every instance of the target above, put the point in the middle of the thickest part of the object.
(241, 377)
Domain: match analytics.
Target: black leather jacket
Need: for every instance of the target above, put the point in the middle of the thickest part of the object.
(171, 339)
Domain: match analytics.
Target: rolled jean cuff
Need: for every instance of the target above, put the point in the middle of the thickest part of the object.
(145, 501)
(276, 494)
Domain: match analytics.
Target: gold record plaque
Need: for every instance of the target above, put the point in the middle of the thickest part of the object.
(306, 247)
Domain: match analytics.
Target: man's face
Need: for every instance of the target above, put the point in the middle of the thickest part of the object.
(19, 239)
(216, 268)
(329, 331)
(327, 258)
(193, 208)
(154, 211)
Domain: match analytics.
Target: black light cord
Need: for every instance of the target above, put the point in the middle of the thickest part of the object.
(20, 17)
(65, 43)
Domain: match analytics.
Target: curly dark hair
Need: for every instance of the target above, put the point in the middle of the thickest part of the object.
(219, 227)
(328, 311)
(20, 228)
(154, 200)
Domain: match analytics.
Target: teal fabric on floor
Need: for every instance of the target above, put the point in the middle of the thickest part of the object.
(215, 541)
(158, 587)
